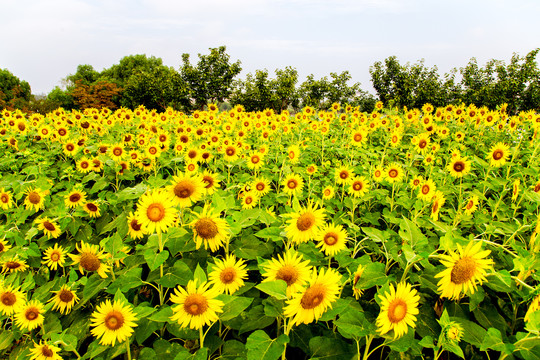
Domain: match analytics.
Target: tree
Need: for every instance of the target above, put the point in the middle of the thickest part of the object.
(14, 93)
(131, 65)
(97, 95)
(211, 80)
(85, 74)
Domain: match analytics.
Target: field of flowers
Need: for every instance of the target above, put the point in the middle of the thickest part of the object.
(409, 234)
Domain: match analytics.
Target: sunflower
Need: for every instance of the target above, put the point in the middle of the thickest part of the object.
(359, 186)
(311, 169)
(13, 265)
(30, 315)
(533, 307)
(64, 299)
(378, 174)
(10, 299)
(196, 306)
(4, 246)
(90, 259)
(422, 143)
(6, 199)
(498, 154)
(117, 152)
(230, 153)
(186, 189)
(75, 198)
(427, 190)
(304, 224)
(135, 229)
(332, 239)
(49, 227)
(209, 229)
(54, 257)
(261, 186)
(459, 166)
(156, 212)
(293, 184)
(44, 351)
(394, 173)
(92, 209)
(228, 275)
(464, 270)
(515, 189)
(35, 198)
(312, 302)
(359, 137)
(328, 193)
(343, 175)
(249, 199)
(293, 154)
(113, 322)
(472, 205)
(290, 268)
(255, 161)
(416, 181)
(357, 275)
(70, 148)
(210, 181)
(399, 308)
(84, 165)
(438, 202)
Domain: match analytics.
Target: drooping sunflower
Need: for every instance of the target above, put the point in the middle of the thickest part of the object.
(498, 154)
(312, 302)
(438, 202)
(515, 189)
(135, 229)
(328, 193)
(332, 239)
(291, 268)
(472, 205)
(459, 166)
(261, 186)
(357, 275)
(54, 256)
(343, 175)
(293, 184)
(44, 351)
(90, 259)
(196, 306)
(13, 265)
(464, 270)
(30, 315)
(358, 186)
(35, 199)
(394, 173)
(186, 189)
(64, 299)
(228, 275)
(75, 198)
(49, 227)
(10, 299)
(209, 229)
(4, 246)
(92, 209)
(155, 211)
(6, 199)
(399, 308)
(427, 190)
(304, 224)
(113, 322)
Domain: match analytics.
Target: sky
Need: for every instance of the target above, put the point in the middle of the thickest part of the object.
(42, 42)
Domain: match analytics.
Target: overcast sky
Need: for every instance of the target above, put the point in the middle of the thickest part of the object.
(44, 41)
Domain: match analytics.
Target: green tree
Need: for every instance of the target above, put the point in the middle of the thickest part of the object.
(85, 74)
(131, 65)
(60, 98)
(14, 93)
(313, 92)
(212, 79)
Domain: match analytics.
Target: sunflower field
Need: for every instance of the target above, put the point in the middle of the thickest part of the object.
(339, 234)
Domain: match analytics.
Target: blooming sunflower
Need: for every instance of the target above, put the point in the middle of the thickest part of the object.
(75, 198)
(398, 310)
(378, 174)
(293, 184)
(228, 275)
(255, 160)
(211, 182)
(290, 268)
(186, 189)
(54, 257)
(209, 229)
(155, 212)
(84, 165)
(472, 205)
(44, 351)
(196, 306)
(358, 186)
(135, 229)
(343, 175)
(113, 322)
(464, 270)
(328, 193)
(332, 239)
(49, 227)
(35, 198)
(6, 199)
(64, 299)
(427, 190)
(304, 224)
(308, 305)
(30, 315)
(92, 209)
(13, 265)
(459, 166)
(498, 154)
(90, 259)
(10, 299)
(4, 246)
(293, 154)
(394, 173)
(249, 199)
(261, 186)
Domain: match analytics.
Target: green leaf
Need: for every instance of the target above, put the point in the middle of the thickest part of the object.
(163, 315)
(352, 323)
(328, 348)
(155, 259)
(199, 275)
(6, 339)
(374, 234)
(93, 286)
(201, 354)
(493, 340)
(178, 274)
(260, 347)
(277, 289)
(68, 341)
(233, 306)
(373, 275)
(233, 350)
(472, 333)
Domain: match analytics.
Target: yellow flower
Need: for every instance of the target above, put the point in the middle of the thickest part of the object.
(211, 182)
(459, 166)
(472, 205)
(113, 322)
(10, 299)
(358, 186)
(398, 310)
(255, 160)
(92, 209)
(186, 189)
(293, 184)
(343, 175)
(30, 315)
(394, 173)
(328, 193)
(498, 154)
(290, 268)
(35, 199)
(249, 199)
(261, 186)
(13, 265)
(6, 199)
(64, 299)
(438, 202)
(357, 275)
(332, 239)
(135, 230)
(90, 259)
(304, 224)
(155, 212)
(44, 351)
(427, 190)
(54, 257)
(228, 275)
(49, 227)
(209, 229)
(75, 198)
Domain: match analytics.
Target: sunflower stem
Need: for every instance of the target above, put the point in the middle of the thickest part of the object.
(128, 348)
(201, 337)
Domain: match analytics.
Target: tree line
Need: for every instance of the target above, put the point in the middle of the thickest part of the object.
(141, 80)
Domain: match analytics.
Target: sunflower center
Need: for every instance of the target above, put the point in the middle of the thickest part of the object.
(117, 151)
(463, 270)
(4, 198)
(49, 226)
(313, 297)
(393, 173)
(155, 212)
(8, 298)
(422, 144)
(425, 189)
(209, 181)
(230, 151)
(184, 189)
(89, 261)
(498, 154)
(248, 200)
(192, 154)
(12, 265)
(31, 314)
(206, 228)
(75, 198)
(435, 207)
(135, 225)
(114, 320)
(65, 295)
(91, 207)
(331, 238)
(227, 276)
(195, 304)
(292, 184)
(34, 197)
(84, 165)
(397, 311)
(357, 137)
(459, 166)
(537, 188)
(357, 186)
(260, 186)
(470, 204)
(287, 273)
(45, 351)
(343, 175)
(305, 221)
(55, 256)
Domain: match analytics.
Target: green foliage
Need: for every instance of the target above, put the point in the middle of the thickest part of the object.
(14, 93)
